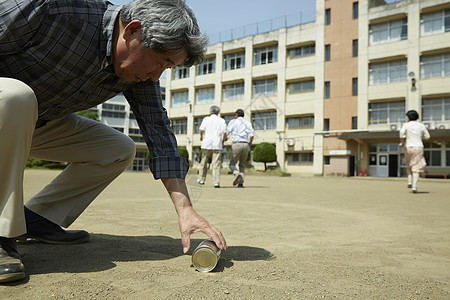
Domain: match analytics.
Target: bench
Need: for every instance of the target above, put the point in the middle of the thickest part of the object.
(434, 175)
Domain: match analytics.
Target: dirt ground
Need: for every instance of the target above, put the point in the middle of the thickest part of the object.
(288, 237)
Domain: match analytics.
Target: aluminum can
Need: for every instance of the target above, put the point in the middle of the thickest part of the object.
(206, 256)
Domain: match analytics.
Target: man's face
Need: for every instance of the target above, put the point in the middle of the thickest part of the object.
(133, 62)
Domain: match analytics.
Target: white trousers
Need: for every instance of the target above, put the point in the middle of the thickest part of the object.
(96, 153)
(215, 165)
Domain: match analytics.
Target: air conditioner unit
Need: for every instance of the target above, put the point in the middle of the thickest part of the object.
(290, 142)
(430, 125)
(394, 127)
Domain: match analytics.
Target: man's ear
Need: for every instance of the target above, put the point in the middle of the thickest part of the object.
(131, 30)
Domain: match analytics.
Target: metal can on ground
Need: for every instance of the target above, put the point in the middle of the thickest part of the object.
(206, 256)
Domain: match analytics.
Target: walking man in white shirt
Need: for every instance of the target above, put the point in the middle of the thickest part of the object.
(242, 137)
(212, 135)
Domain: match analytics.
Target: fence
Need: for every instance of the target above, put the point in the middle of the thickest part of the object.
(263, 26)
(375, 3)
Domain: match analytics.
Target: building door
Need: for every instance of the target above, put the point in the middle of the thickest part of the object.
(383, 165)
(351, 166)
(393, 165)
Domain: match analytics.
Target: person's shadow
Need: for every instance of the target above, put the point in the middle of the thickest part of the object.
(103, 250)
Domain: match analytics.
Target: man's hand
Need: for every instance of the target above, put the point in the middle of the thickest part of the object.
(188, 220)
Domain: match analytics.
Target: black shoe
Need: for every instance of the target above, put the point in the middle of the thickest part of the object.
(217, 186)
(240, 185)
(11, 267)
(46, 231)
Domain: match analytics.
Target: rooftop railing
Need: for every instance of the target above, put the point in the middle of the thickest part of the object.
(298, 18)
(375, 3)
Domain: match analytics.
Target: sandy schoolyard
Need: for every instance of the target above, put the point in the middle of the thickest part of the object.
(288, 237)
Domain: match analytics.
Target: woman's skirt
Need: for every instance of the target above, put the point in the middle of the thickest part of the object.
(414, 159)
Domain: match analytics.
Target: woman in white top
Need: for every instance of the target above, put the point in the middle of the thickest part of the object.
(413, 132)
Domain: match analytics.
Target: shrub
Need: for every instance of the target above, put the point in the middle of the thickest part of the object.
(266, 153)
(35, 163)
(183, 151)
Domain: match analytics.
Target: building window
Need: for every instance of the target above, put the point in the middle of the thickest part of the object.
(140, 161)
(205, 95)
(388, 72)
(265, 87)
(435, 23)
(207, 67)
(326, 124)
(354, 86)
(179, 126)
(433, 153)
(113, 114)
(197, 123)
(264, 121)
(136, 135)
(327, 52)
(233, 92)
(447, 154)
(436, 109)
(299, 158)
(228, 118)
(302, 51)
(293, 122)
(234, 61)
(179, 99)
(435, 66)
(386, 112)
(327, 16)
(266, 55)
(163, 95)
(388, 32)
(327, 90)
(355, 10)
(300, 87)
(119, 129)
(117, 107)
(355, 48)
(354, 122)
(180, 72)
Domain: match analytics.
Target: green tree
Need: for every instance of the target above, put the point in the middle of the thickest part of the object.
(90, 114)
(266, 153)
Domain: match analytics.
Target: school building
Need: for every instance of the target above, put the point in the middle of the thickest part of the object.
(328, 88)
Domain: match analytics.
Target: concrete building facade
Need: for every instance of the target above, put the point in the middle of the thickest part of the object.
(330, 94)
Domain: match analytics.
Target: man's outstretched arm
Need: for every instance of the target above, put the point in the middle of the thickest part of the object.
(189, 221)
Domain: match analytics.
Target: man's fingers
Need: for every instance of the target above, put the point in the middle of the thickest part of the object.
(217, 236)
(186, 242)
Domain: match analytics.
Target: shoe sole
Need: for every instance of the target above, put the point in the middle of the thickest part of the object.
(12, 277)
(236, 180)
(73, 242)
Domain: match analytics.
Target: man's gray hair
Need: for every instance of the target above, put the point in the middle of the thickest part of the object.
(168, 25)
(214, 110)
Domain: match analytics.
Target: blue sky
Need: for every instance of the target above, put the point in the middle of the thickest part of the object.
(216, 16)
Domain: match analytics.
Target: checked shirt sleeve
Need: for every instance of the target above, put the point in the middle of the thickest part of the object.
(146, 104)
(19, 23)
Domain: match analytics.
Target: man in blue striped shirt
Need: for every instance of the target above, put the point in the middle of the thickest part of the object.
(58, 57)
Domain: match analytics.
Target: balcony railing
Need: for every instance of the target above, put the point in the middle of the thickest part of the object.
(299, 18)
(375, 3)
